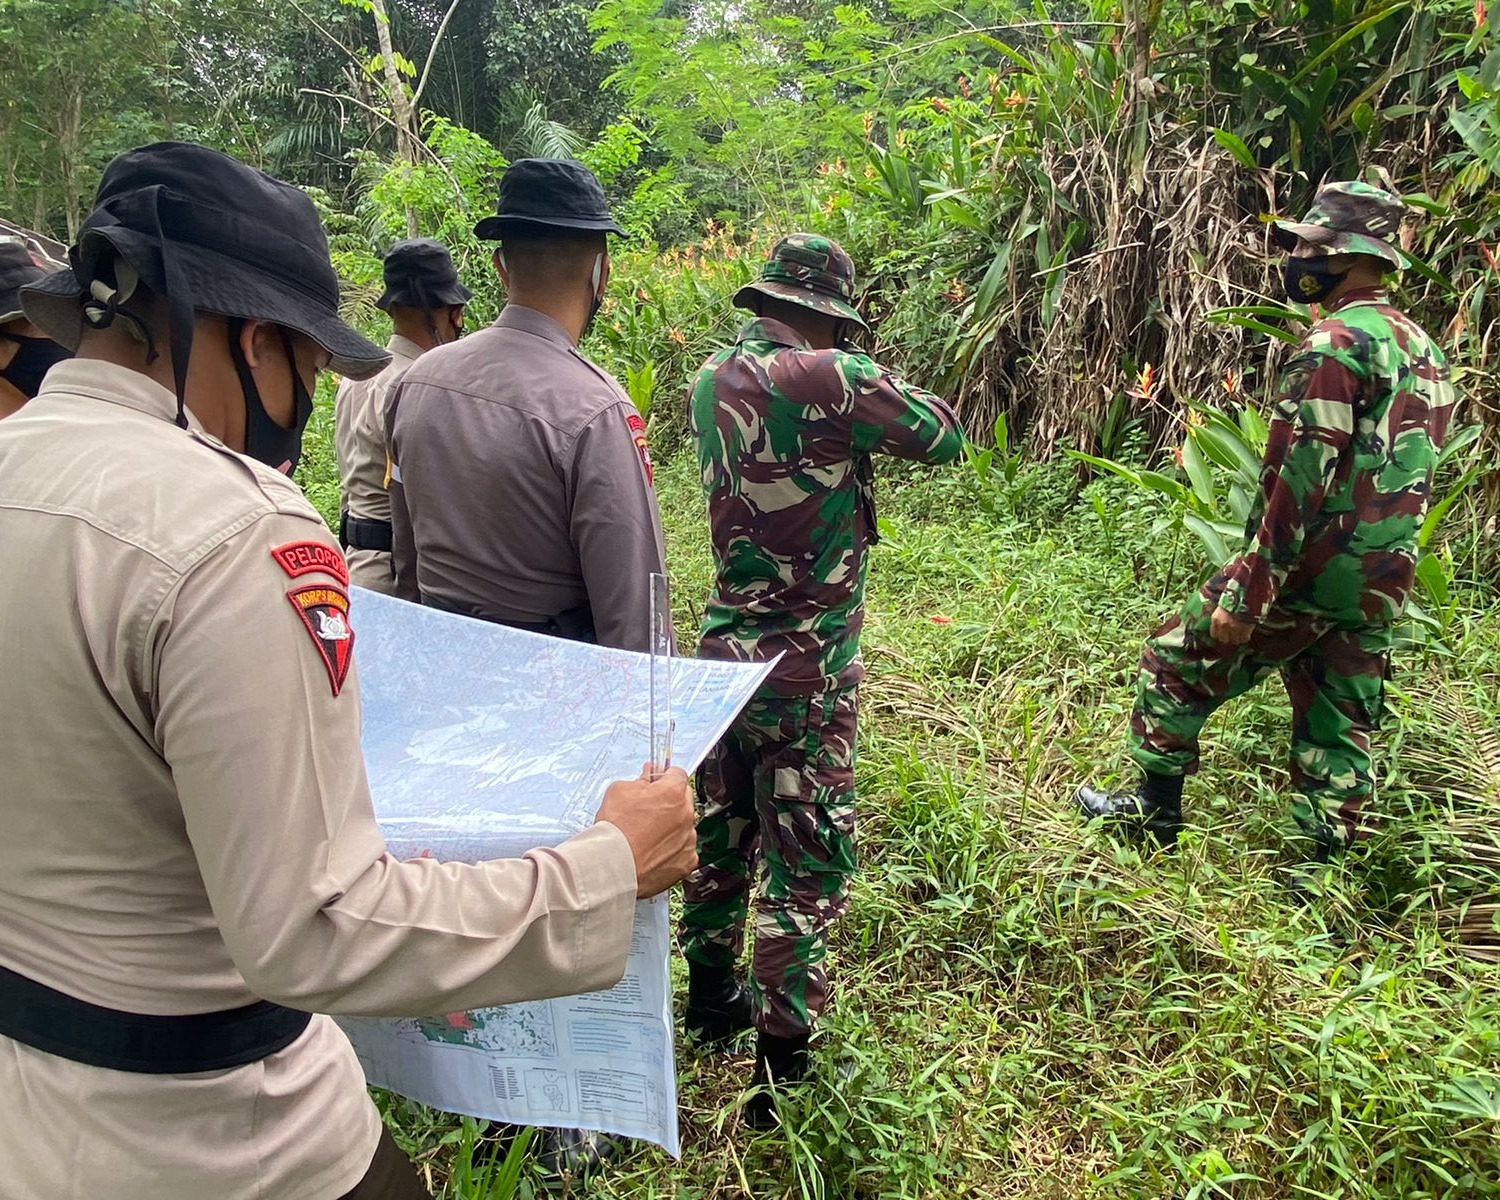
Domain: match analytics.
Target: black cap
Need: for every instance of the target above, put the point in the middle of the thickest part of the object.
(419, 273)
(16, 269)
(556, 193)
(209, 234)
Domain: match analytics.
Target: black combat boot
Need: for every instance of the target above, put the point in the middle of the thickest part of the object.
(569, 1156)
(1153, 810)
(718, 1005)
(1306, 882)
(779, 1062)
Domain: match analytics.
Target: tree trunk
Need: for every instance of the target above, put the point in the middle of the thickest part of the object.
(407, 134)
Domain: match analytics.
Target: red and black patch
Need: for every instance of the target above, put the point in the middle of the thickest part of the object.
(638, 432)
(325, 612)
(300, 558)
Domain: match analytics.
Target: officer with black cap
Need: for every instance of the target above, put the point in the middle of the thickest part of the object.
(521, 489)
(26, 353)
(426, 302)
(191, 864)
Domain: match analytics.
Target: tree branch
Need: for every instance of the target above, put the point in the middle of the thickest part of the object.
(458, 190)
(437, 40)
(313, 21)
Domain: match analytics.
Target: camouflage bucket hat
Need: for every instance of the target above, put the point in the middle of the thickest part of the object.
(809, 270)
(1348, 218)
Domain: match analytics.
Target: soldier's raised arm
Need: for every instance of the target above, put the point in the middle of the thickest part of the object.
(891, 416)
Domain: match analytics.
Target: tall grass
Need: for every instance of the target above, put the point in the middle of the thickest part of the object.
(1023, 1008)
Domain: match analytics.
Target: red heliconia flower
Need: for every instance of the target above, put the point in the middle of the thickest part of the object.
(1145, 384)
(1489, 256)
(939, 619)
(1480, 13)
(940, 104)
(1231, 384)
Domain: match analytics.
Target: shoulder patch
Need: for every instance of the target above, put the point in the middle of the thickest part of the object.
(325, 613)
(299, 558)
(638, 432)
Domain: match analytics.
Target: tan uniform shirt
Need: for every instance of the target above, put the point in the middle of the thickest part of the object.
(525, 484)
(188, 824)
(359, 444)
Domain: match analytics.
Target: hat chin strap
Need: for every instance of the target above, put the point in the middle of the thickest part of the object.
(102, 303)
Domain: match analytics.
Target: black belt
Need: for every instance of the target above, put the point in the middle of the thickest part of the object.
(575, 624)
(37, 1016)
(355, 533)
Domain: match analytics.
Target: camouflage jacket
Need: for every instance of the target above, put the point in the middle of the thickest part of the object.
(1362, 411)
(784, 436)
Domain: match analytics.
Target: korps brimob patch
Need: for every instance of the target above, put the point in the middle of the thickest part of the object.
(638, 432)
(325, 612)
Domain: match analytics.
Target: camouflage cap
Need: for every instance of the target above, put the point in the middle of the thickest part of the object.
(810, 270)
(1348, 218)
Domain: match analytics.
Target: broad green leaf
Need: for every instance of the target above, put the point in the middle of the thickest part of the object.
(1228, 451)
(1198, 472)
(1433, 577)
(1108, 464)
(1236, 146)
(1213, 542)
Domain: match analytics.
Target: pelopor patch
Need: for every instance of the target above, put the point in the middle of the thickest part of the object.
(300, 558)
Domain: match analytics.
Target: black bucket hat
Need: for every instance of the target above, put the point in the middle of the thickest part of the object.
(556, 193)
(419, 273)
(17, 268)
(207, 233)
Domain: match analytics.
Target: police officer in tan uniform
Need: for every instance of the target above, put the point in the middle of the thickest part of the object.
(26, 353)
(522, 488)
(426, 302)
(191, 864)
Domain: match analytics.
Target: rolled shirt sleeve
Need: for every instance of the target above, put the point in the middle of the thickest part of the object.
(1312, 428)
(264, 751)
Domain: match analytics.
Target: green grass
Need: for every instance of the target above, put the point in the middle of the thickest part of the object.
(1022, 1007)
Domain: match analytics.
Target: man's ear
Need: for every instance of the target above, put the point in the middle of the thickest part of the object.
(259, 342)
(498, 259)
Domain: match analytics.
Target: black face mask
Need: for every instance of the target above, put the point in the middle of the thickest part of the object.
(265, 440)
(1308, 280)
(34, 357)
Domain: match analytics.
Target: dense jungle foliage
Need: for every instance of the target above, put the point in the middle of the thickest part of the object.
(1059, 215)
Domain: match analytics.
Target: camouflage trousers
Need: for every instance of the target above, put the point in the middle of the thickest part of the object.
(1335, 678)
(776, 793)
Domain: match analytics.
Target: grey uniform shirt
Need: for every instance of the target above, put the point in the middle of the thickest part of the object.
(524, 485)
(359, 443)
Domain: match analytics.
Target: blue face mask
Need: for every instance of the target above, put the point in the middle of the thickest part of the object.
(1308, 280)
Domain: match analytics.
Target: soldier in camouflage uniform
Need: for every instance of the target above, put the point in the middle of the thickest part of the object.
(785, 422)
(1361, 413)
